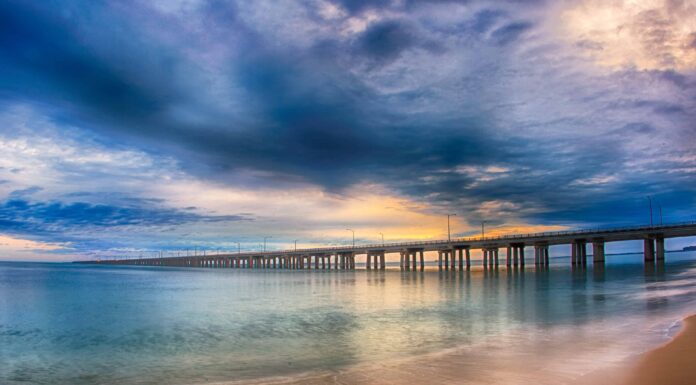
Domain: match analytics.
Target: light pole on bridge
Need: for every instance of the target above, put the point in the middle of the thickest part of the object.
(353, 231)
(382, 238)
(651, 212)
(264, 243)
(659, 205)
(449, 238)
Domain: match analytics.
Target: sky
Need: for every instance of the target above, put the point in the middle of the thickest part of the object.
(133, 127)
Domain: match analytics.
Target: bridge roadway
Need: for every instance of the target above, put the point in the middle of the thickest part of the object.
(454, 254)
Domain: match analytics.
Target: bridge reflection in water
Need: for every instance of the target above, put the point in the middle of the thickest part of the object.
(454, 254)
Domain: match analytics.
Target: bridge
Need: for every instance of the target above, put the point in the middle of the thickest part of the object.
(452, 254)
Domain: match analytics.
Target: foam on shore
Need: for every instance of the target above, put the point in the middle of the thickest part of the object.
(595, 353)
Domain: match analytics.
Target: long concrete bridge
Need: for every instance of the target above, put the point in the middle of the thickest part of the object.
(452, 254)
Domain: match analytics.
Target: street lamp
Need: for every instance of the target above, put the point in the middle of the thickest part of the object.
(449, 238)
(483, 229)
(239, 248)
(659, 205)
(295, 244)
(264, 243)
(650, 203)
(382, 239)
(353, 231)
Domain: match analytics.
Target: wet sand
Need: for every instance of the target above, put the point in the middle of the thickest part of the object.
(538, 362)
(671, 364)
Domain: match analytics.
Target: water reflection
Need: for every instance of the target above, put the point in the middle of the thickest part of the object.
(75, 324)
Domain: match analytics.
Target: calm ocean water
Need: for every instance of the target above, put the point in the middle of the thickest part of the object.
(81, 324)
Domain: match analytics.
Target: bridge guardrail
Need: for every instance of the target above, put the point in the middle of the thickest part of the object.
(459, 240)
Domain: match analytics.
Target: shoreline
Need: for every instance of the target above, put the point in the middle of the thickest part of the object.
(671, 363)
(527, 363)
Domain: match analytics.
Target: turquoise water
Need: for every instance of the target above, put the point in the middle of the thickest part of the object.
(82, 324)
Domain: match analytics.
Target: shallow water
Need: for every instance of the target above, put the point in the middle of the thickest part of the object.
(82, 324)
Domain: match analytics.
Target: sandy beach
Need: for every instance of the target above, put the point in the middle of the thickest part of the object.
(671, 364)
(544, 362)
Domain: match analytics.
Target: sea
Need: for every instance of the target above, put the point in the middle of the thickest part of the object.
(67, 323)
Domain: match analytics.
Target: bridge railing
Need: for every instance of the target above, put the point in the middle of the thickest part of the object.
(494, 238)
(563, 233)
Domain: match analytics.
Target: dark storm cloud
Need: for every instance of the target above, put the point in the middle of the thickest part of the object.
(387, 40)
(321, 125)
(45, 57)
(510, 32)
(309, 113)
(57, 218)
(24, 192)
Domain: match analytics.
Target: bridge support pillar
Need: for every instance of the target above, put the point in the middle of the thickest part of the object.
(439, 259)
(598, 251)
(541, 255)
(660, 248)
(649, 250)
(368, 261)
(578, 254)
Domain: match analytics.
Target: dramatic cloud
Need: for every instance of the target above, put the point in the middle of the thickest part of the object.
(517, 113)
(645, 34)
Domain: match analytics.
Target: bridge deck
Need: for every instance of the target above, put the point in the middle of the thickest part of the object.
(653, 237)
